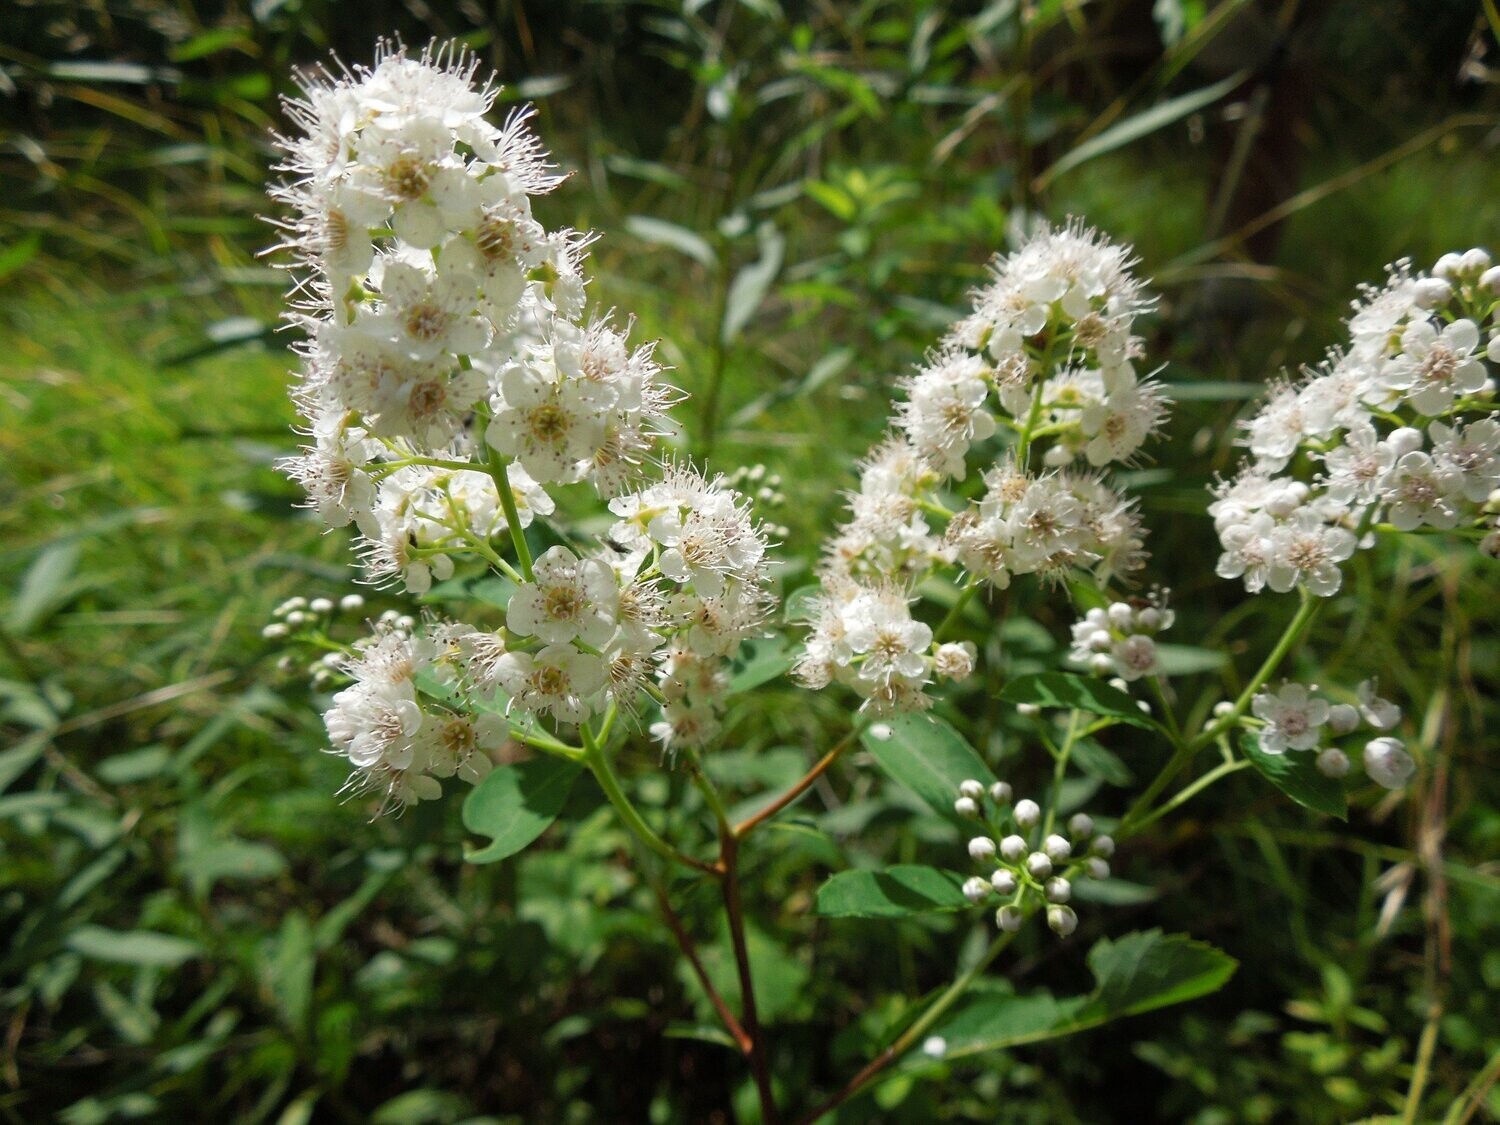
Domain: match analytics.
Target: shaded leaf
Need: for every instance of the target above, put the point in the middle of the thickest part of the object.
(1081, 693)
(515, 804)
(928, 756)
(1296, 774)
(893, 893)
(659, 232)
(752, 283)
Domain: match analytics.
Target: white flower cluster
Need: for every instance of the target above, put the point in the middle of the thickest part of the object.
(445, 324)
(1119, 639)
(1046, 359)
(1046, 871)
(450, 379)
(1293, 718)
(399, 743)
(1396, 432)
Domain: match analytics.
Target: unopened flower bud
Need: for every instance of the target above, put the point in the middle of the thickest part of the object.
(1342, 718)
(1028, 813)
(1103, 845)
(1058, 889)
(1000, 793)
(1223, 708)
(966, 807)
(880, 732)
(1061, 920)
(1012, 848)
(1003, 881)
(1430, 292)
(1333, 762)
(1030, 710)
(1121, 616)
(935, 1046)
(1009, 918)
(1449, 266)
(1388, 763)
(1081, 825)
(321, 605)
(976, 889)
(274, 631)
(981, 848)
(971, 788)
(1097, 868)
(1100, 640)
(351, 602)
(1101, 664)
(955, 661)
(1474, 262)
(1149, 618)
(1489, 281)
(1403, 440)
(1057, 848)
(1039, 865)
(297, 617)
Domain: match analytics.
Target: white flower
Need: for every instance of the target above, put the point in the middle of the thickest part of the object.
(1292, 716)
(1305, 549)
(1437, 365)
(1381, 714)
(945, 410)
(1135, 657)
(1468, 454)
(558, 679)
(571, 598)
(550, 424)
(428, 313)
(1420, 492)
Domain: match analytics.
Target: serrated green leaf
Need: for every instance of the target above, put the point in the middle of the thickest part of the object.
(1296, 774)
(929, 757)
(1149, 969)
(516, 804)
(1081, 693)
(895, 892)
(132, 947)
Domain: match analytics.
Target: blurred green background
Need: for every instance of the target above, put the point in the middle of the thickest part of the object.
(795, 197)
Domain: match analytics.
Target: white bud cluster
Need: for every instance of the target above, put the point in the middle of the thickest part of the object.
(1023, 869)
(1394, 433)
(1119, 639)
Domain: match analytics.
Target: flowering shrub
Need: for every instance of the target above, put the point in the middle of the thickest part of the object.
(502, 448)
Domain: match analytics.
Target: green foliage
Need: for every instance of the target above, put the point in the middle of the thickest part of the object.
(796, 197)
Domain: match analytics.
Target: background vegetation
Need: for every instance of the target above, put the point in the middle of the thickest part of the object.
(794, 195)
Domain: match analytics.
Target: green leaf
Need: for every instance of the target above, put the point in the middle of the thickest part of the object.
(1296, 774)
(1148, 969)
(47, 586)
(515, 804)
(751, 284)
(659, 232)
(1138, 973)
(1114, 892)
(20, 757)
(761, 661)
(928, 756)
(1188, 660)
(213, 860)
(893, 893)
(132, 947)
(1080, 693)
(1143, 123)
(289, 971)
(1101, 762)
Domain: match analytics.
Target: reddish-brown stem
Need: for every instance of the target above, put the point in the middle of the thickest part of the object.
(744, 827)
(690, 951)
(729, 883)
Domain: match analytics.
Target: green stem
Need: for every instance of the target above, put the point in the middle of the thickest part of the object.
(908, 1037)
(965, 596)
(1294, 630)
(1188, 792)
(497, 467)
(597, 761)
(1059, 770)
